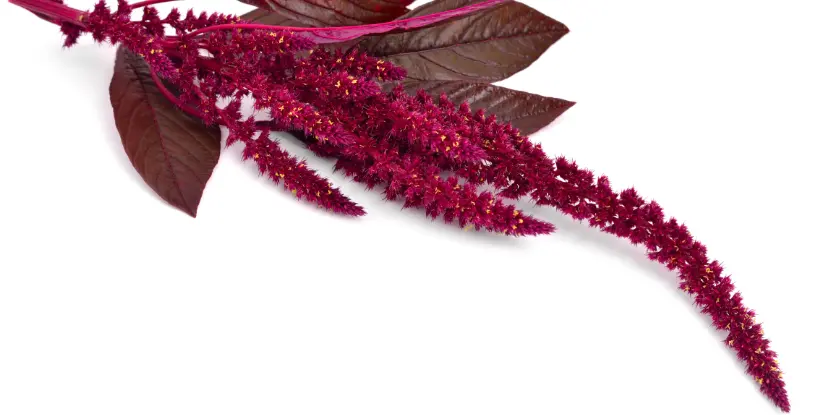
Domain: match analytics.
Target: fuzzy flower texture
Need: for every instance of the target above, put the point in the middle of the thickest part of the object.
(406, 144)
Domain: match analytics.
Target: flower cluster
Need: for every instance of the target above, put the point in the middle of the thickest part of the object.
(431, 154)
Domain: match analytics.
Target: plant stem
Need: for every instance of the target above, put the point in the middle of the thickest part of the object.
(146, 3)
(172, 97)
(58, 12)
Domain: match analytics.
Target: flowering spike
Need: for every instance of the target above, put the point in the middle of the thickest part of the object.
(295, 175)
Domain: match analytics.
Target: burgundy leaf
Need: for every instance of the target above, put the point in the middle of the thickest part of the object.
(345, 33)
(525, 111)
(325, 13)
(288, 13)
(488, 46)
(172, 151)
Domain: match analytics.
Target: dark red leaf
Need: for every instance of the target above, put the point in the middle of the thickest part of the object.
(272, 13)
(525, 111)
(173, 152)
(324, 35)
(325, 13)
(489, 45)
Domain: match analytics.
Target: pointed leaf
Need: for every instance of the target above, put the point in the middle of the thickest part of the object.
(295, 14)
(489, 45)
(344, 33)
(525, 111)
(173, 152)
(326, 13)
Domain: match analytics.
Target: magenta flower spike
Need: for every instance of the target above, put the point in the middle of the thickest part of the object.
(434, 154)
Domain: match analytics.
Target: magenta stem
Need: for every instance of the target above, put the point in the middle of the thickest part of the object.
(242, 26)
(146, 3)
(373, 28)
(58, 12)
(171, 97)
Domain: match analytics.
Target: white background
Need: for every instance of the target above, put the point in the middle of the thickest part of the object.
(111, 302)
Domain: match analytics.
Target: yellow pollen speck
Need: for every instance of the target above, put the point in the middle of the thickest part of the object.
(281, 39)
(294, 192)
(521, 221)
(731, 342)
(443, 137)
(354, 81)
(487, 211)
(380, 61)
(318, 194)
(760, 381)
(436, 176)
(515, 213)
(758, 351)
(329, 192)
(447, 149)
(347, 92)
(272, 34)
(514, 227)
(256, 156)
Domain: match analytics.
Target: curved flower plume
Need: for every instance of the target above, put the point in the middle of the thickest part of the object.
(431, 155)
